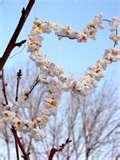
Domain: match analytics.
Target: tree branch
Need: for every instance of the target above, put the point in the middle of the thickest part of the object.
(54, 150)
(31, 88)
(12, 43)
(19, 74)
(19, 44)
(4, 88)
(18, 142)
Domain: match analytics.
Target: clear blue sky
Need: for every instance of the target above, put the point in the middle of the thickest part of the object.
(74, 57)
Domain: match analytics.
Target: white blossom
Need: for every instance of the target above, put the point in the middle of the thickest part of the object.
(53, 77)
(8, 116)
(98, 21)
(112, 54)
(34, 42)
(115, 37)
(115, 23)
(37, 134)
(90, 31)
(17, 122)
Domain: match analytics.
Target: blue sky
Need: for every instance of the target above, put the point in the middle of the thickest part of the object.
(73, 56)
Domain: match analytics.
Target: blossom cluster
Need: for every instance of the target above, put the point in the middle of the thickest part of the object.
(48, 68)
(11, 114)
(53, 77)
(11, 118)
(54, 87)
(95, 72)
(40, 27)
(114, 25)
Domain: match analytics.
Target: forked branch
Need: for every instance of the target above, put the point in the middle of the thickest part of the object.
(53, 151)
(12, 43)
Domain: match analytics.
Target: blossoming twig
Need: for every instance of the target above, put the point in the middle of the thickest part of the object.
(116, 42)
(113, 28)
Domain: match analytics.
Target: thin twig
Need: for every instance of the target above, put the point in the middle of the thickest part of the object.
(31, 88)
(19, 44)
(107, 20)
(116, 42)
(19, 74)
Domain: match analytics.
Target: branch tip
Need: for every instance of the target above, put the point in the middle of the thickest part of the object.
(19, 44)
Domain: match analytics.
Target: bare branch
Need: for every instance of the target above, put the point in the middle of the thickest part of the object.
(54, 150)
(19, 74)
(17, 140)
(19, 44)
(12, 43)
